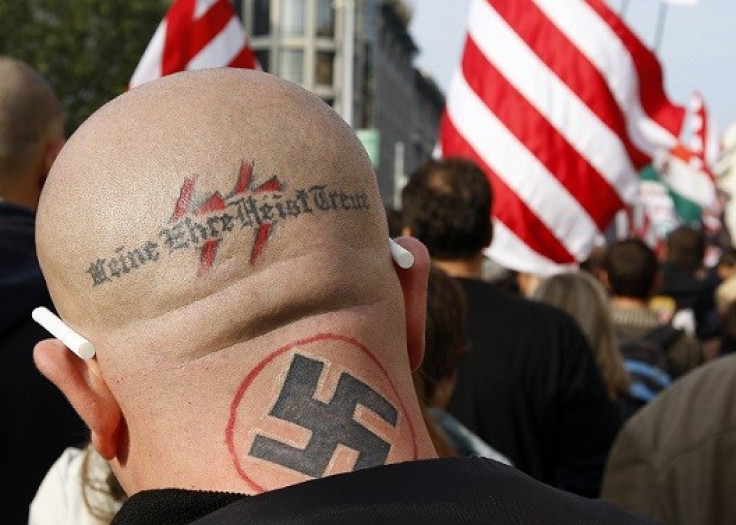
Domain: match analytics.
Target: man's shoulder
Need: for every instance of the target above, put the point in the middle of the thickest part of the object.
(482, 294)
(452, 491)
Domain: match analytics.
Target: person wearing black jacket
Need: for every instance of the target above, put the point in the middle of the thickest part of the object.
(529, 385)
(38, 423)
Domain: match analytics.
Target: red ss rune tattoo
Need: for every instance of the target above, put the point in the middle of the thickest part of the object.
(216, 202)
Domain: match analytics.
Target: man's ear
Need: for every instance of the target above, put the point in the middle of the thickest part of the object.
(53, 147)
(414, 286)
(83, 385)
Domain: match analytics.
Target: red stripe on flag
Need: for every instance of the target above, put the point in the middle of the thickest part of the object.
(570, 65)
(564, 162)
(245, 59)
(651, 82)
(508, 208)
(178, 30)
(209, 25)
(186, 37)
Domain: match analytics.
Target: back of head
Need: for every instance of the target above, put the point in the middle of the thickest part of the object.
(29, 115)
(218, 235)
(631, 267)
(585, 300)
(686, 248)
(447, 205)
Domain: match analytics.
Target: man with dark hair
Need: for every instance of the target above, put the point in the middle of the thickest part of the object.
(529, 386)
(685, 280)
(37, 422)
(632, 269)
(686, 249)
(631, 275)
(254, 341)
(456, 225)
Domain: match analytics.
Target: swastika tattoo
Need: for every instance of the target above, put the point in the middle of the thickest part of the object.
(201, 222)
(331, 423)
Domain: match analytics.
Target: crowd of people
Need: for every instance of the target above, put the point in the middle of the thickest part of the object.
(260, 358)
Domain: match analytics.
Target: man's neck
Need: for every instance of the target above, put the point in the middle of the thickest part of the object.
(470, 268)
(22, 194)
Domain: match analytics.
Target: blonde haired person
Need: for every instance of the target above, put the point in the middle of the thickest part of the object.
(80, 489)
(585, 300)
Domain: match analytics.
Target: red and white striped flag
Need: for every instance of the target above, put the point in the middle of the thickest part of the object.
(562, 105)
(195, 34)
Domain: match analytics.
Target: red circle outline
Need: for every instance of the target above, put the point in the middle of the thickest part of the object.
(230, 429)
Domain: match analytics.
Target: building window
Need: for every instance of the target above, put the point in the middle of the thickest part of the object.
(292, 17)
(323, 72)
(261, 17)
(263, 57)
(290, 65)
(325, 18)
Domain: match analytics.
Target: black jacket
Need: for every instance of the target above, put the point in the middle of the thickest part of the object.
(37, 421)
(441, 492)
(530, 388)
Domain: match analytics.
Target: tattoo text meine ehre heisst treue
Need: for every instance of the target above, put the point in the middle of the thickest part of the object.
(201, 223)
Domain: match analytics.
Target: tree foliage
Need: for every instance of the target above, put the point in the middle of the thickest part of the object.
(87, 49)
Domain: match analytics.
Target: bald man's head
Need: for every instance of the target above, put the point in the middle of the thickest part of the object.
(214, 229)
(30, 124)
(180, 190)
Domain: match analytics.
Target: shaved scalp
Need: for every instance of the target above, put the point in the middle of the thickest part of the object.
(28, 109)
(183, 190)
(219, 237)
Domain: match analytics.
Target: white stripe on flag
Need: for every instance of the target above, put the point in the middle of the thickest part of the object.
(553, 99)
(201, 7)
(511, 252)
(509, 158)
(596, 40)
(149, 68)
(223, 48)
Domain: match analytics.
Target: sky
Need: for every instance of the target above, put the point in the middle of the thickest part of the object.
(698, 48)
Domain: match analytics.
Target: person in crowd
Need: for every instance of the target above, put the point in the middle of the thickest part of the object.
(725, 292)
(632, 274)
(252, 334)
(595, 263)
(79, 489)
(725, 298)
(583, 297)
(37, 422)
(685, 280)
(673, 460)
(445, 345)
(529, 386)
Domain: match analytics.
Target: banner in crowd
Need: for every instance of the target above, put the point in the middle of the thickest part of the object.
(679, 186)
(195, 34)
(562, 106)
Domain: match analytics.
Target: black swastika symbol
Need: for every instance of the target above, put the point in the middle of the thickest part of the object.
(331, 423)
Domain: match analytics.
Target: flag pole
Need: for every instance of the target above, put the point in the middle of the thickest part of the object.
(659, 32)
